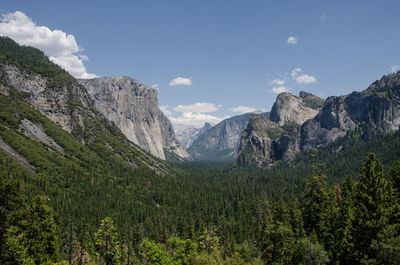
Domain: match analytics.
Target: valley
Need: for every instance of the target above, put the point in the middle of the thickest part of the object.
(92, 172)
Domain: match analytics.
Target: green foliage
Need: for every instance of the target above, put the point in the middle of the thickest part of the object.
(374, 209)
(309, 253)
(106, 241)
(154, 253)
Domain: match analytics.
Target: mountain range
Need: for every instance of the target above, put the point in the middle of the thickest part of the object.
(373, 112)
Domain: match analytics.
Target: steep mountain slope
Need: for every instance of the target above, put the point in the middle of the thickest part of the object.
(28, 77)
(133, 108)
(374, 111)
(256, 142)
(188, 134)
(221, 141)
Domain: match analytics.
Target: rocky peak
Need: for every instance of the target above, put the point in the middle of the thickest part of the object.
(256, 142)
(133, 108)
(207, 126)
(289, 108)
(375, 111)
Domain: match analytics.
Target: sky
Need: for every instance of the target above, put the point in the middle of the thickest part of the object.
(215, 59)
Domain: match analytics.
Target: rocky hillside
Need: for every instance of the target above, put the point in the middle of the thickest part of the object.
(221, 141)
(28, 78)
(374, 112)
(133, 108)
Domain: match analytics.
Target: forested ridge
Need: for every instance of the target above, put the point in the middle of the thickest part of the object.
(86, 205)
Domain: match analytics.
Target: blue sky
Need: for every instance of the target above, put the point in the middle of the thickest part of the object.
(227, 53)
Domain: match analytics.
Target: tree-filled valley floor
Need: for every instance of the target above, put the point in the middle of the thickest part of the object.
(310, 211)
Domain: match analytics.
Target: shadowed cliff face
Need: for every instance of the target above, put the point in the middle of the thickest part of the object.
(375, 110)
(133, 108)
(256, 142)
(265, 141)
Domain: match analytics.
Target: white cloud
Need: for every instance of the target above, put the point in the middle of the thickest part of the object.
(61, 48)
(195, 119)
(278, 82)
(280, 89)
(395, 68)
(292, 40)
(198, 107)
(295, 72)
(243, 109)
(83, 57)
(165, 110)
(180, 81)
(303, 78)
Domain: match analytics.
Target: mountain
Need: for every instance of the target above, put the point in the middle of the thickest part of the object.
(31, 86)
(188, 134)
(373, 112)
(256, 142)
(290, 109)
(220, 142)
(133, 108)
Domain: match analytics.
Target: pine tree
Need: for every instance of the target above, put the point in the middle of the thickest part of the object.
(106, 241)
(373, 207)
(318, 210)
(41, 232)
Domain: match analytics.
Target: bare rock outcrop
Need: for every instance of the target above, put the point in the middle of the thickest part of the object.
(133, 108)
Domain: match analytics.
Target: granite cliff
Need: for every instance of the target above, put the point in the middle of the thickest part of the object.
(133, 108)
(374, 111)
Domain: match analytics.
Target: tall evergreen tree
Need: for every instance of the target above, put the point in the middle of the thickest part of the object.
(373, 208)
(41, 232)
(106, 241)
(318, 210)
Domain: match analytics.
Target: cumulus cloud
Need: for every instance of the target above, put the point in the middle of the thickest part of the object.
(395, 68)
(165, 110)
(303, 78)
(280, 89)
(61, 47)
(198, 107)
(181, 81)
(278, 82)
(292, 40)
(195, 119)
(243, 109)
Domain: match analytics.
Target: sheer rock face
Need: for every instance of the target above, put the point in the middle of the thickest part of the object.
(256, 143)
(375, 110)
(375, 113)
(289, 108)
(133, 108)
